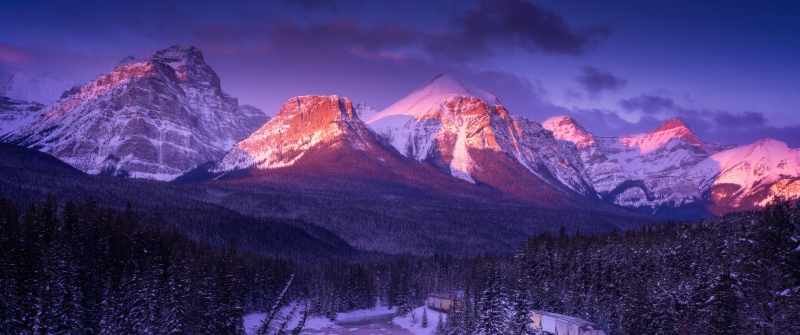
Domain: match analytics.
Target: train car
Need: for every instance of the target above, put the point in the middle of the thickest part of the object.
(562, 324)
(444, 301)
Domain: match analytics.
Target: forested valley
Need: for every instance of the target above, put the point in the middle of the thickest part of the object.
(81, 268)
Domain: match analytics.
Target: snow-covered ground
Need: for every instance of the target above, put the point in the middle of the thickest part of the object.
(416, 327)
(364, 321)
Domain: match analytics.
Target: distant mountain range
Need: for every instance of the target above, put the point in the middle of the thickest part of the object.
(166, 116)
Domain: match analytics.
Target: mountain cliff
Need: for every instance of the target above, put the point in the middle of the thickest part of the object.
(467, 133)
(151, 118)
(302, 124)
(672, 167)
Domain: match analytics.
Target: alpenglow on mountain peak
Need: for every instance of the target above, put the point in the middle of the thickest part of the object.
(436, 92)
(153, 118)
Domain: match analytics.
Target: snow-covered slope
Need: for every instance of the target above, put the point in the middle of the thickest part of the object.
(672, 166)
(642, 170)
(736, 176)
(364, 111)
(27, 85)
(301, 124)
(454, 125)
(604, 174)
(15, 113)
(152, 118)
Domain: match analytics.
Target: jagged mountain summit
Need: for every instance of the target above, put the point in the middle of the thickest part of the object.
(151, 118)
(32, 86)
(748, 177)
(467, 133)
(302, 124)
(320, 143)
(672, 167)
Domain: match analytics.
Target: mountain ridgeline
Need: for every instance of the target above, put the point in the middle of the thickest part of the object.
(152, 118)
(448, 157)
(149, 201)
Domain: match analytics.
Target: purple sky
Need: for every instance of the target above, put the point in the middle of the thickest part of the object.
(730, 69)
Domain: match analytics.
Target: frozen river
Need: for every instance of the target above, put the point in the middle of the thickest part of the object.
(374, 324)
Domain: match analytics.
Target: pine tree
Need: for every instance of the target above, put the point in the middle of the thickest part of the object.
(440, 326)
(269, 325)
(493, 311)
(424, 322)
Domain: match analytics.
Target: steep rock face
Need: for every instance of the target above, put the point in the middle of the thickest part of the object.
(15, 113)
(748, 176)
(448, 123)
(604, 174)
(672, 166)
(301, 124)
(642, 170)
(152, 118)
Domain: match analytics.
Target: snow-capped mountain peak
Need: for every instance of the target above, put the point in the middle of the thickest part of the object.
(455, 126)
(189, 64)
(432, 95)
(738, 175)
(153, 118)
(672, 124)
(302, 124)
(674, 129)
(761, 162)
(567, 128)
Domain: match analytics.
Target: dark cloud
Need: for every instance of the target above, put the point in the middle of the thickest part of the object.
(744, 120)
(740, 127)
(648, 104)
(511, 25)
(476, 33)
(717, 126)
(338, 36)
(595, 81)
(715, 120)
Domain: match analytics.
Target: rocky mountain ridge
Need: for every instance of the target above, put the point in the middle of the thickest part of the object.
(152, 118)
(164, 115)
(671, 167)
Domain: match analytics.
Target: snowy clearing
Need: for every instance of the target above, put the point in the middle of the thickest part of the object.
(416, 327)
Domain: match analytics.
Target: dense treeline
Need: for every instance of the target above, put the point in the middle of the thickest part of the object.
(308, 224)
(739, 274)
(84, 269)
(189, 208)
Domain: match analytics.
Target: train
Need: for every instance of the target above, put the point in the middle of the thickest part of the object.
(444, 301)
(552, 323)
(562, 324)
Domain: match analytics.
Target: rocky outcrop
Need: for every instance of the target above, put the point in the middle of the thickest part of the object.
(302, 123)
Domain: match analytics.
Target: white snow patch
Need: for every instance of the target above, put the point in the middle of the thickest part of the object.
(253, 321)
(416, 328)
